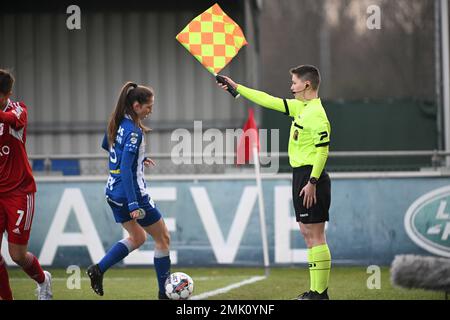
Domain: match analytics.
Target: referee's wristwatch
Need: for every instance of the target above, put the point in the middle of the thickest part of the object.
(313, 180)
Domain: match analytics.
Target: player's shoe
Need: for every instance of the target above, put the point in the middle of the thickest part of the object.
(162, 296)
(96, 277)
(44, 289)
(305, 295)
(320, 296)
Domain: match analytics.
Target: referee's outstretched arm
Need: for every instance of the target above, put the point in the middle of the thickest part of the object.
(261, 98)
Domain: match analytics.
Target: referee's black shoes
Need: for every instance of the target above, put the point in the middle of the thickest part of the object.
(320, 296)
(305, 295)
(314, 295)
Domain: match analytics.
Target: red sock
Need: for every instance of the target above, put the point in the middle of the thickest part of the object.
(5, 289)
(33, 268)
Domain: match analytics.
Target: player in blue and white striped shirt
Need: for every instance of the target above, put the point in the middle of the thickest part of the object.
(126, 189)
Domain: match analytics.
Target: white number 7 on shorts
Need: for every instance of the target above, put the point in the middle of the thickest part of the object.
(20, 213)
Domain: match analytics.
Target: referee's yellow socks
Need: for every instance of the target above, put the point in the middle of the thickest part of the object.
(321, 262)
(311, 270)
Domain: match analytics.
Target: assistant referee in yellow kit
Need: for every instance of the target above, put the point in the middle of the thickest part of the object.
(309, 142)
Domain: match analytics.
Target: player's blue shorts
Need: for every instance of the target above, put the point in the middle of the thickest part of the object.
(122, 214)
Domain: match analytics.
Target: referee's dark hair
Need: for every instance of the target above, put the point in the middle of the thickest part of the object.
(6, 82)
(308, 72)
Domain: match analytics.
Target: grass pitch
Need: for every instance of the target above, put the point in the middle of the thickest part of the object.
(346, 283)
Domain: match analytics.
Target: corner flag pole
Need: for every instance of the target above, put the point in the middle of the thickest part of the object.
(262, 218)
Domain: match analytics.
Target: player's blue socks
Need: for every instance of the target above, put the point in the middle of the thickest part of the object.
(118, 252)
(162, 267)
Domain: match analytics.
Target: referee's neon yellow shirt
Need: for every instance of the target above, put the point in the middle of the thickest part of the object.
(309, 137)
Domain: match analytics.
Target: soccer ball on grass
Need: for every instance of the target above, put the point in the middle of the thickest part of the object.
(179, 286)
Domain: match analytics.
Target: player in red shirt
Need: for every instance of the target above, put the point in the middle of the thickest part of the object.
(17, 189)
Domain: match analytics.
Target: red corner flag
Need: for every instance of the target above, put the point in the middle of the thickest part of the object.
(248, 138)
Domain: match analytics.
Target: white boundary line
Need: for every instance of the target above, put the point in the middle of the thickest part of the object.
(227, 288)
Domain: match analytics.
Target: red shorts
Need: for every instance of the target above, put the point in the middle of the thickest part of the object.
(16, 216)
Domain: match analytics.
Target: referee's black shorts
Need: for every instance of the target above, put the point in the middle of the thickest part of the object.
(320, 211)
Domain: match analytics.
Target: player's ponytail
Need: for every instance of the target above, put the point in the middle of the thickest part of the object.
(129, 94)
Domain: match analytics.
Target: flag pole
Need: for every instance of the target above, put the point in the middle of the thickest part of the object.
(262, 218)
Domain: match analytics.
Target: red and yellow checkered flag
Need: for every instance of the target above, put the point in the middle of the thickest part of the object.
(213, 38)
